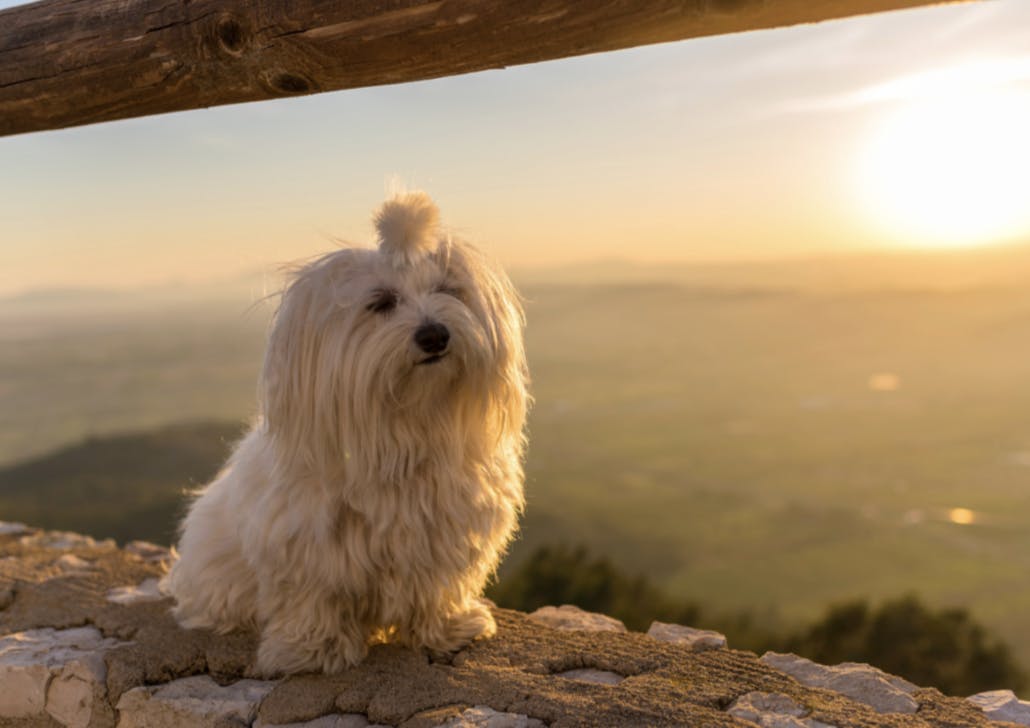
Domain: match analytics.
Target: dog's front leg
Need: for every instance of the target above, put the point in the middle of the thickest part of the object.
(309, 631)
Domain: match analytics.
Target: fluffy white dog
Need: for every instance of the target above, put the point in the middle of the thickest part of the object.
(383, 479)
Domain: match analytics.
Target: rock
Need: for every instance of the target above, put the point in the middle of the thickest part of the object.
(882, 692)
(149, 552)
(55, 672)
(145, 591)
(601, 677)
(70, 698)
(572, 617)
(772, 710)
(482, 716)
(72, 563)
(336, 720)
(751, 705)
(435, 717)
(9, 528)
(194, 701)
(65, 540)
(694, 639)
(6, 597)
(1003, 705)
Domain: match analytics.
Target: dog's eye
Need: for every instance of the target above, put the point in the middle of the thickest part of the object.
(451, 291)
(383, 301)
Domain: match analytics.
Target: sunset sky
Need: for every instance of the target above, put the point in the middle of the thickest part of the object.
(904, 129)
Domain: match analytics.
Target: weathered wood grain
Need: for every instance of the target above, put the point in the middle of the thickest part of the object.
(70, 62)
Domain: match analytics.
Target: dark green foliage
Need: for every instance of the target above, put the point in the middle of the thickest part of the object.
(125, 486)
(945, 649)
(562, 575)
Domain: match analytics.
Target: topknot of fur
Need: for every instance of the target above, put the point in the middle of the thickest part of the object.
(408, 225)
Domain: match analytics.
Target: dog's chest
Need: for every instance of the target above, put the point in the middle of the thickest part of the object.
(425, 524)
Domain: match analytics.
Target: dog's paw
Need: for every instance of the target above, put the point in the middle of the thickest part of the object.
(277, 657)
(457, 631)
(479, 621)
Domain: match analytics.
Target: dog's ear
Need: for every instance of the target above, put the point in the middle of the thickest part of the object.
(298, 405)
(511, 394)
(503, 319)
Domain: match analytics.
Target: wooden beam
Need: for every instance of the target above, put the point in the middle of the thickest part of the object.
(70, 62)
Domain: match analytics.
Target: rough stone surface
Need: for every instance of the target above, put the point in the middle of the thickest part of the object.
(147, 551)
(482, 716)
(9, 528)
(146, 591)
(194, 701)
(60, 673)
(695, 639)
(71, 562)
(772, 710)
(336, 720)
(64, 540)
(1003, 705)
(885, 693)
(158, 674)
(600, 677)
(571, 617)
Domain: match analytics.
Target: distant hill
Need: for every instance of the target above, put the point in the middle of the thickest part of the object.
(237, 291)
(960, 268)
(126, 487)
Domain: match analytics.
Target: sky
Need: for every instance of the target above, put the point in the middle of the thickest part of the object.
(882, 132)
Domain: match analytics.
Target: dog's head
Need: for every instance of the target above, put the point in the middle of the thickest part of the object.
(378, 354)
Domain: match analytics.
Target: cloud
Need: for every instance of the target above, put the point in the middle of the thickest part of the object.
(970, 77)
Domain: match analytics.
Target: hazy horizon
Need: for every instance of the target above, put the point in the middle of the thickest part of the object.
(921, 268)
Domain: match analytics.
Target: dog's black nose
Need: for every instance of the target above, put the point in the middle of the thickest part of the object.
(432, 338)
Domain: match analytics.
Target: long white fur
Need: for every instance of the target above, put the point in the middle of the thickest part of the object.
(408, 225)
(374, 496)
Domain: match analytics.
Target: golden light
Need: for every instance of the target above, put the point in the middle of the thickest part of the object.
(961, 516)
(950, 165)
(884, 382)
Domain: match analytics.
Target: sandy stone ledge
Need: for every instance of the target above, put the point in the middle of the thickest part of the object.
(86, 641)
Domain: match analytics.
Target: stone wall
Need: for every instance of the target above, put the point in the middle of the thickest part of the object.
(86, 641)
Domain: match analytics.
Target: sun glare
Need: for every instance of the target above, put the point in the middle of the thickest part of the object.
(950, 165)
(961, 516)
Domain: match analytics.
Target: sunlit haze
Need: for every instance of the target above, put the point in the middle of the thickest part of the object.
(894, 131)
(951, 165)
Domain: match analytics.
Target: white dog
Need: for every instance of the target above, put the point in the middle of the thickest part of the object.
(383, 480)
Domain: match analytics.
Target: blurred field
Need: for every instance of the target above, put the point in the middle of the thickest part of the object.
(730, 445)
(748, 444)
